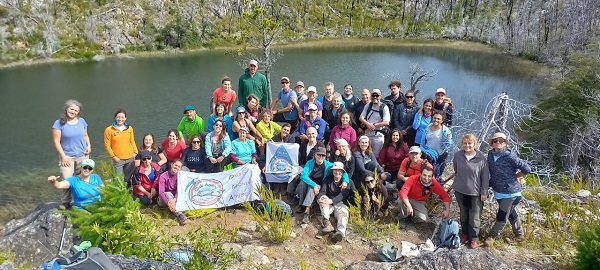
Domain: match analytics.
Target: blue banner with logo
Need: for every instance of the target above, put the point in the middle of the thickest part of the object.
(282, 162)
(217, 190)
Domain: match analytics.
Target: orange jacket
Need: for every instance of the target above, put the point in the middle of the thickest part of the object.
(120, 144)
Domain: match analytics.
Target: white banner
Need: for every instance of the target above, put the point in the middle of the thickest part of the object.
(282, 162)
(216, 190)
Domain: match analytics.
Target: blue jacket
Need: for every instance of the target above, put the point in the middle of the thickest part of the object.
(225, 144)
(503, 171)
(446, 144)
(420, 124)
(318, 123)
(310, 165)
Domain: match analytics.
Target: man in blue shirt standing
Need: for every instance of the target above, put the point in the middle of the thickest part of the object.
(289, 101)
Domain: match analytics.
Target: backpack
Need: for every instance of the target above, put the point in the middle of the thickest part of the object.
(384, 102)
(389, 253)
(423, 163)
(449, 234)
(91, 259)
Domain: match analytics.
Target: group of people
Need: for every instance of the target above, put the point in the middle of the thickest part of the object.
(368, 145)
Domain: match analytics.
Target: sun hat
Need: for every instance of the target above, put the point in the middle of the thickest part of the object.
(498, 135)
(338, 166)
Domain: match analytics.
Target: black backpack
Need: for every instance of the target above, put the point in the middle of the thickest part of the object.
(384, 102)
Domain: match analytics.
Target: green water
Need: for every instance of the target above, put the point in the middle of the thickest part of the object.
(155, 90)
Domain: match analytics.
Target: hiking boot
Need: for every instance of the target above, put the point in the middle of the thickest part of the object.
(300, 209)
(519, 238)
(327, 227)
(182, 219)
(473, 244)
(306, 219)
(463, 237)
(337, 237)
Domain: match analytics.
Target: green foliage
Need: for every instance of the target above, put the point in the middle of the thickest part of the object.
(588, 248)
(274, 223)
(208, 247)
(116, 225)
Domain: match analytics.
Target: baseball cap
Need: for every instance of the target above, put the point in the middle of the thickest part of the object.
(189, 108)
(312, 107)
(440, 90)
(320, 151)
(146, 153)
(376, 91)
(240, 109)
(253, 62)
(285, 79)
(244, 129)
(414, 149)
(311, 89)
(300, 83)
(88, 162)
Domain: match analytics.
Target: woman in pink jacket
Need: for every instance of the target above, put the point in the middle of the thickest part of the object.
(343, 130)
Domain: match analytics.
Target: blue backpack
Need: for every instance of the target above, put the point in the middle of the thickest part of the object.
(449, 235)
(91, 259)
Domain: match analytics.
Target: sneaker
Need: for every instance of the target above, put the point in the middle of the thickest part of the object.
(463, 237)
(182, 219)
(473, 244)
(327, 227)
(337, 237)
(306, 219)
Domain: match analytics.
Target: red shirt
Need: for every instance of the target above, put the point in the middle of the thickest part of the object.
(414, 189)
(413, 169)
(174, 153)
(226, 98)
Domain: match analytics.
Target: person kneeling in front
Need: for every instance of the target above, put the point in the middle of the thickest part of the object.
(85, 186)
(167, 190)
(333, 198)
(415, 192)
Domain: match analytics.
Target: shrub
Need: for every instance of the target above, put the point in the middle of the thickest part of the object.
(588, 248)
(274, 223)
(116, 225)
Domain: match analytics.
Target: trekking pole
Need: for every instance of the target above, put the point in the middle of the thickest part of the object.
(62, 238)
(437, 225)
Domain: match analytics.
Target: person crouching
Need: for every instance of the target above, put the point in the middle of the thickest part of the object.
(333, 199)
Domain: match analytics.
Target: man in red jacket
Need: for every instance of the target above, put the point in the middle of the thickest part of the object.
(415, 192)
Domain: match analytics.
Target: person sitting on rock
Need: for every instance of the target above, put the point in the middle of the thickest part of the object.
(85, 186)
(410, 166)
(145, 178)
(312, 176)
(333, 199)
(415, 192)
(167, 190)
(375, 197)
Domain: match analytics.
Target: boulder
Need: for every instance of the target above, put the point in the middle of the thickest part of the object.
(37, 237)
(134, 263)
(460, 259)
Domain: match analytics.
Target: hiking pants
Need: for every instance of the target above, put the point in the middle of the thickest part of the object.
(507, 210)
(470, 214)
(340, 212)
(419, 210)
(169, 196)
(306, 194)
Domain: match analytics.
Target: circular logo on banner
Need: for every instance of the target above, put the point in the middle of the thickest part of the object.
(281, 167)
(205, 191)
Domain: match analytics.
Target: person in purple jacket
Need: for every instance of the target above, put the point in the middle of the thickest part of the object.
(167, 190)
(507, 172)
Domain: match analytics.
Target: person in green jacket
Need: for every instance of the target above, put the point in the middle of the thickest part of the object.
(191, 123)
(253, 82)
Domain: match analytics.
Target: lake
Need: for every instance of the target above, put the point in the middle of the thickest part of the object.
(154, 90)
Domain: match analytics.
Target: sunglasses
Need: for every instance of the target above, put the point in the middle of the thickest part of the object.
(195, 141)
(410, 96)
(498, 141)
(285, 82)
(375, 95)
(218, 125)
(89, 168)
(146, 158)
(369, 181)
(241, 112)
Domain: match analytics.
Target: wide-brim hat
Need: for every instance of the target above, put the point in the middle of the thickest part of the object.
(338, 166)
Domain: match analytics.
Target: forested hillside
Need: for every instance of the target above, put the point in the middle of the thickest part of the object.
(538, 29)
